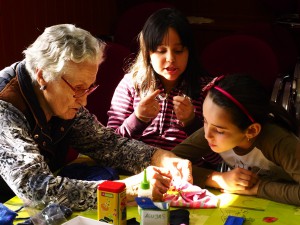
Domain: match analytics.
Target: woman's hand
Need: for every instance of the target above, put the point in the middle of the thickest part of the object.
(160, 180)
(181, 169)
(238, 179)
(148, 107)
(184, 109)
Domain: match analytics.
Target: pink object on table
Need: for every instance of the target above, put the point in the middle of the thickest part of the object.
(190, 196)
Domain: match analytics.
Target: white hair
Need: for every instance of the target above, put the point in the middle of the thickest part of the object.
(58, 45)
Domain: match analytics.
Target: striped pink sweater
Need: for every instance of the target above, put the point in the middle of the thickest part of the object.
(164, 131)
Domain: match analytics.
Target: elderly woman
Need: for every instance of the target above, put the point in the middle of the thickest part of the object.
(42, 114)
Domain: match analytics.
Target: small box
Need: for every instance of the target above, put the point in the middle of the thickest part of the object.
(80, 220)
(111, 202)
(157, 213)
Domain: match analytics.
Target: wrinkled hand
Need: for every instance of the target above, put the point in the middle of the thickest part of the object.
(238, 179)
(182, 169)
(179, 168)
(148, 107)
(160, 180)
(184, 109)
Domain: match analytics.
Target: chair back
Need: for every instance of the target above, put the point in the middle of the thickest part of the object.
(240, 53)
(279, 38)
(109, 75)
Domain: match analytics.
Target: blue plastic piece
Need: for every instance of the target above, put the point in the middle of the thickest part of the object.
(234, 220)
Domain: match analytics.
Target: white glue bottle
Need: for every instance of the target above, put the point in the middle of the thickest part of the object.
(145, 190)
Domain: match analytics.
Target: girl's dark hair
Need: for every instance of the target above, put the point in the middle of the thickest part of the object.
(253, 97)
(153, 32)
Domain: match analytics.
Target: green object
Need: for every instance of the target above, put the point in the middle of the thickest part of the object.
(145, 183)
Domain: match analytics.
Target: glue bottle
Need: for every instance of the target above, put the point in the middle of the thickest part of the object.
(144, 190)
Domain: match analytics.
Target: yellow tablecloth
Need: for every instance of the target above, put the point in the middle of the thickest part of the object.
(253, 209)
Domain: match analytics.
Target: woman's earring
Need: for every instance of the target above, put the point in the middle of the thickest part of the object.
(43, 87)
(249, 139)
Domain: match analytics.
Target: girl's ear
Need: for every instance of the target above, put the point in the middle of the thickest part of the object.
(253, 130)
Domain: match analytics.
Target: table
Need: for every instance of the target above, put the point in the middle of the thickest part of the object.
(253, 209)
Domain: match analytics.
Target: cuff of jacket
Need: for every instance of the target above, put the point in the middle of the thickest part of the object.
(134, 125)
(193, 126)
(200, 175)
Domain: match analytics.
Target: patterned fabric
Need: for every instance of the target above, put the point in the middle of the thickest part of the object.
(25, 168)
(190, 196)
(27, 173)
(164, 131)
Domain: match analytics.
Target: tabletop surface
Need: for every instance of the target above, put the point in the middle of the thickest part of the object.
(254, 210)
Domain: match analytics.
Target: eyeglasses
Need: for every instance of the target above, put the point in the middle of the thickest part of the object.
(81, 92)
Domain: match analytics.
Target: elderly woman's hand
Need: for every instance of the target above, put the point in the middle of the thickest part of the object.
(160, 180)
(166, 167)
(179, 168)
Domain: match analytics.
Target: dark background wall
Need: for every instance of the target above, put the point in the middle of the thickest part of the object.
(23, 20)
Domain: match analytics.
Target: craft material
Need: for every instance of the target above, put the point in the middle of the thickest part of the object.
(234, 220)
(111, 202)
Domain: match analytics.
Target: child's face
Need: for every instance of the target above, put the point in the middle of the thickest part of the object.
(220, 132)
(170, 58)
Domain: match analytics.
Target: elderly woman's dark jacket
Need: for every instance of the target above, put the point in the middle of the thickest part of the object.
(32, 148)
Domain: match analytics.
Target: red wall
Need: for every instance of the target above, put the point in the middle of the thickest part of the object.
(23, 20)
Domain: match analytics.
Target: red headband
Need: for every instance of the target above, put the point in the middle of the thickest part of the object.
(236, 102)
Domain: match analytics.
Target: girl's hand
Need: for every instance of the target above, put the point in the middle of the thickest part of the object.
(238, 179)
(148, 107)
(184, 109)
(248, 191)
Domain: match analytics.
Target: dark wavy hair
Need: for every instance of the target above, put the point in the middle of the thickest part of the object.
(151, 36)
(251, 94)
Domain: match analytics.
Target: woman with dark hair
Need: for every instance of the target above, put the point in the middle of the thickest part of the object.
(159, 100)
(257, 141)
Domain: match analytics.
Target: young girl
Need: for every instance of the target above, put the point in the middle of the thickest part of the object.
(159, 101)
(256, 140)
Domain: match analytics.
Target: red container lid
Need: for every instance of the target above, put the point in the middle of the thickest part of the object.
(112, 186)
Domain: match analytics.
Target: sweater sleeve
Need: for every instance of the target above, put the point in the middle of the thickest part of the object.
(102, 144)
(283, 148)
(194, 125)
(121, 116)
(25, 171)
(194, 148)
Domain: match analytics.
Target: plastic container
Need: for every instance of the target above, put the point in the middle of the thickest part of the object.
(144, 189)
(111, 202)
